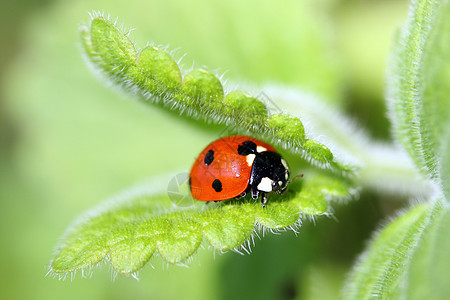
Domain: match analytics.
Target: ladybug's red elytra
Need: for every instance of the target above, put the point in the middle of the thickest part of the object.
(233, 166)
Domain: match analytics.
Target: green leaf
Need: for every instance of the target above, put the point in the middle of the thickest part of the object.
(116, 50)
(131, 228)
(157, 66)
(428, 276)
(435, 78)
(408, 259)
(155, 76)
(445, 171)
(419, 84)
(436, 107)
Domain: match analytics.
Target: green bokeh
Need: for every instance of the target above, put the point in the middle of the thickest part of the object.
(68, 142)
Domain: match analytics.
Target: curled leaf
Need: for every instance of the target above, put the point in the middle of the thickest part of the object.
(159, 69)
(155, 76)
(283, 126)
(203, 88)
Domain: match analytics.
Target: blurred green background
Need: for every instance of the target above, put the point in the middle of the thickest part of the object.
(67, 141)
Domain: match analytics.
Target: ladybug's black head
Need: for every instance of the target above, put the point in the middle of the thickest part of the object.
(270, 172)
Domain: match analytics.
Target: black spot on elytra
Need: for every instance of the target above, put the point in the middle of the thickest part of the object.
(209, 157)
(246, 148)
(217, 185)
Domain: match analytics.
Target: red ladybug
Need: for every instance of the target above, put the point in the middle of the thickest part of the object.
(235, 165)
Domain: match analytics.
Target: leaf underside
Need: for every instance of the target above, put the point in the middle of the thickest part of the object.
(129, 232)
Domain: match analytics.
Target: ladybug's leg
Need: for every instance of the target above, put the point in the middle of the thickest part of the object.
(239, 196)
(281, 191)
(263, 199)
(243, 194)
(255, 193)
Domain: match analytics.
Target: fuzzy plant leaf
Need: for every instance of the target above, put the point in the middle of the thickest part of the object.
(154, 76)
(408, 259)
(419, 84)
(445, 169)
(144, 222)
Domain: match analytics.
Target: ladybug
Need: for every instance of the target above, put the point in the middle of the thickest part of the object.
(233, 166)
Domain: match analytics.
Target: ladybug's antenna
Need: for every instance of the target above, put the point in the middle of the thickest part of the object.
(295, 177)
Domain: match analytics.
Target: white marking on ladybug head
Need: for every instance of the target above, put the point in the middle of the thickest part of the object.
(280, 183)
(285, 165)
(250, 158)
(260, 149)
(265, 185)
(286, 175)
